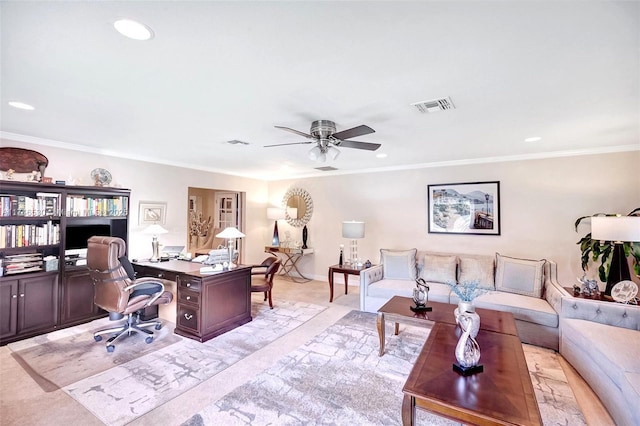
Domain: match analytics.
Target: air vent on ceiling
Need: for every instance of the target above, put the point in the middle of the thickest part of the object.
(326, 169)
(434, 105)
(237, 142)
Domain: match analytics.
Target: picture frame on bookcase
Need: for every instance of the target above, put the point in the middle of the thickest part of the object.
(150, 212)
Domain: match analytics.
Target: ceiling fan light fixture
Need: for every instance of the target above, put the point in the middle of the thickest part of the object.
(333, 152)
(316, 153)
(133, 29)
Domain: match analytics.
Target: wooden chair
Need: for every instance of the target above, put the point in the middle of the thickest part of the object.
(262, 277)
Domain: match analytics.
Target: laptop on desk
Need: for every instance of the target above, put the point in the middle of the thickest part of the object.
(172, 251)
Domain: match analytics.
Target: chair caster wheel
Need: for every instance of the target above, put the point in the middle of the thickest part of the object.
(158, 326)
(97, 338)
(111, 348)
(149, 339)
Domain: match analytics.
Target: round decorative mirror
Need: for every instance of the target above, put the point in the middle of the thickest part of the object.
(298, 207)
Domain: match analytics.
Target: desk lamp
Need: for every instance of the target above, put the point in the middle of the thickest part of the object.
(618, 230)
(155, 230)
(353, 230)
(276, 214)
(231, 234)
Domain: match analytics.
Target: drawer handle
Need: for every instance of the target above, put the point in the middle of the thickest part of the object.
(188, 316)
(188, 284)
(21, 294)
(188, 297)
(160, 275)
(14, 296)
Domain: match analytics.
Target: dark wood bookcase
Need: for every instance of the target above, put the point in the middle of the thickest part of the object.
(36, 219)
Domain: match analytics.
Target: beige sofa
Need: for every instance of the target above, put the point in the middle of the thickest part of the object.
(526, 288)
(601, 340)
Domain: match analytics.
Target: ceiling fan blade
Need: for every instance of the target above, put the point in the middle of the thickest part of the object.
(297, 132)
(359, 145)
(354, 132)
(291, 143)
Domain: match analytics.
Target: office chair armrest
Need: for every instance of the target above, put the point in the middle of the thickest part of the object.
(146, 280)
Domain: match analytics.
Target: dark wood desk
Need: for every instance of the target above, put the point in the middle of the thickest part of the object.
(501, 395)
(207, 304)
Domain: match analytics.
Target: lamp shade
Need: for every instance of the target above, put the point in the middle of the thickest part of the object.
(230, 232)
(276, 213)
(353, 230)
(615, 228)
(154, 229)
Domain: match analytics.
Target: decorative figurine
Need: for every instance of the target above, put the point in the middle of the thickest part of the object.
(467, 350)
(367, 264)
(304, 237)
(421, 296)
(341, 250)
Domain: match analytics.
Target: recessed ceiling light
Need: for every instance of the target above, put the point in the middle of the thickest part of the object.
(533, 139)
(133, 29)
(381, 155)
(21, 105)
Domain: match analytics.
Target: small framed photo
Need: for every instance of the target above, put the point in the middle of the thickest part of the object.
(464, 208)
(150, 212)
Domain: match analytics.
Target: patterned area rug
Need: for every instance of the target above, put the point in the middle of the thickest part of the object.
(123, 393)
(338, 379)
(46, 357)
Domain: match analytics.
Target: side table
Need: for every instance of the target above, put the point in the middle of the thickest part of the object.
(346, 271)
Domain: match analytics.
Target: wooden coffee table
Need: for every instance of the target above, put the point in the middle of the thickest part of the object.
(501, 394)
(397, 309)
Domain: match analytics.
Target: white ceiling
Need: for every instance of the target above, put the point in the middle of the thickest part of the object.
(568, 72)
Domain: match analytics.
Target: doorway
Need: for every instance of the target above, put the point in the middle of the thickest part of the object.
(210, 211)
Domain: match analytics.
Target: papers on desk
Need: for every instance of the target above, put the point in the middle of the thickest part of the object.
(211, 269)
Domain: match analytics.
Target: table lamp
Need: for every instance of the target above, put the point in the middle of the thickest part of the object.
(618, 230)
(155, 230)
(276, 214)
(353, 230)
(231, 234)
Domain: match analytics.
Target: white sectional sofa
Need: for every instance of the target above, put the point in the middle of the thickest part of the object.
(601, 340)
(526, 288)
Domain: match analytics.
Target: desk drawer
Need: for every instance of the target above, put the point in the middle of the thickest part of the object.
(188, 319)
(190, 283)
(188, 296)
(142, 271)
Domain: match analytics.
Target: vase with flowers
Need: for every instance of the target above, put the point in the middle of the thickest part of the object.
(467, 291)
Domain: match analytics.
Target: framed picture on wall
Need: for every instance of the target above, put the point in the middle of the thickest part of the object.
(150, 212)
(464, 208)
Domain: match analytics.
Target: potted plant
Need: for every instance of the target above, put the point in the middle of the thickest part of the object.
(592, 250)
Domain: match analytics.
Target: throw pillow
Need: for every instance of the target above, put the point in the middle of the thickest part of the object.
(478, 269)
(519, 276)
(399, 264)
(439, 269)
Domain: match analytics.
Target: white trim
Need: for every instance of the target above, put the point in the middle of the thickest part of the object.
(520, 157)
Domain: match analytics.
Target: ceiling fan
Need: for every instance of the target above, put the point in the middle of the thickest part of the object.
(323, 134)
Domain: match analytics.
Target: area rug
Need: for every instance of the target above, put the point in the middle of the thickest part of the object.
(54, 361)
(338, 378)
(123, 393)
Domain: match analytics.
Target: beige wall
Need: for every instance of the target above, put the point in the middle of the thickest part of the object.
(540, 201)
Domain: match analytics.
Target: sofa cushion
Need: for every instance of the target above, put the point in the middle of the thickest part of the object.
(520, 276)
(523, 308)
(388, 288)
(607, 345)
(439, 269)
(480, 269)
(399, 264)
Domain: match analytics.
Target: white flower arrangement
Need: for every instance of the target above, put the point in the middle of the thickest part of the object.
(466, 290)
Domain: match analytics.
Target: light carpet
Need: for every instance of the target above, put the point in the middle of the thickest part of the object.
(123, 393)
(47, 357)
(338, 378)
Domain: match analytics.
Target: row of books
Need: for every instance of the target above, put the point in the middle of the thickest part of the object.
(20, 263)
(44, 204)
(48, 204)
(85, 206)
(26, 235)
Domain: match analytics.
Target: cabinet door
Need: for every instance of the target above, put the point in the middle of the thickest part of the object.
(77, 297)
(37, 303)
(8, 308)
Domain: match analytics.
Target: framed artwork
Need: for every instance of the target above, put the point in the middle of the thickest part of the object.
(464, 208)
(150, 212)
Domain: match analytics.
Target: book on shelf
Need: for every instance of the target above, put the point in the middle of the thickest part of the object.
(44, 204)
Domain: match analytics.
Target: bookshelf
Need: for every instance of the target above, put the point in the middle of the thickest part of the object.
(35, 219)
